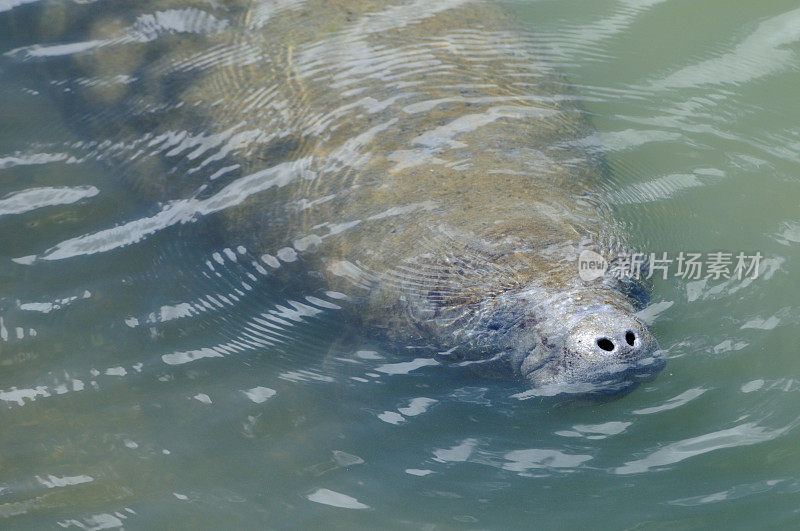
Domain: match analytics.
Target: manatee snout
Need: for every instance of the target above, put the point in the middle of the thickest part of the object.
(603, 350)
(609, 335)
(610, 347)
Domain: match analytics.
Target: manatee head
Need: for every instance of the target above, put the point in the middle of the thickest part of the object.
(597, 349)
(583, 340)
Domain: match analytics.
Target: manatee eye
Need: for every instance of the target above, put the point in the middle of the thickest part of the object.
(630, 337)
(605, 344)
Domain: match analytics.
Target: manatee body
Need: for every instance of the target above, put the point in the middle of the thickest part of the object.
(417, 154)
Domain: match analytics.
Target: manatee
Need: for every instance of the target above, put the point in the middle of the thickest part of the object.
(419, 157)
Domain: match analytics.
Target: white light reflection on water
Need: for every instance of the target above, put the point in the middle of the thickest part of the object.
(159, 371)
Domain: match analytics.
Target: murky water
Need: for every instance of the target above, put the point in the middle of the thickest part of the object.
(161, 370)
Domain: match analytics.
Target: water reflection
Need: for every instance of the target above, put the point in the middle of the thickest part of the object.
(174, 352)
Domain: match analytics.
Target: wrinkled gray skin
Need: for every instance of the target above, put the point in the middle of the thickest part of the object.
(559, 346)
(418, 156)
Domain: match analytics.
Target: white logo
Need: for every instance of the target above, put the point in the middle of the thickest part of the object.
(591, 266)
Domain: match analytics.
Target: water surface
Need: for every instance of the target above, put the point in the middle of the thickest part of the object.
(157, 371)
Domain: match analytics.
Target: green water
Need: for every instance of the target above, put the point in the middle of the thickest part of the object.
(696, 112)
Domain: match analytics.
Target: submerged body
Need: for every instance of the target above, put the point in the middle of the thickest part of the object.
(414, 155)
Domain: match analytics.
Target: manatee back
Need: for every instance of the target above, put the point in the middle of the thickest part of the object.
(383, 135)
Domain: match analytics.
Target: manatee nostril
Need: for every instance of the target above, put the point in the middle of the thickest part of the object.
(605, 344)
(630, 338)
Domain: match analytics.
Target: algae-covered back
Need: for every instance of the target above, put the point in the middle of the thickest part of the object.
(380, 128)
(417, 157)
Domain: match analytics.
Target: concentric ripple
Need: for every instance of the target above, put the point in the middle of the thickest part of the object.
(178, 342)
